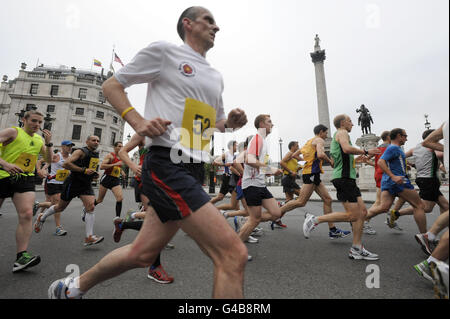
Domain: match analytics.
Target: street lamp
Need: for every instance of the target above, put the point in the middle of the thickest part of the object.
(281, 152)
(427, 124)
(20, 115)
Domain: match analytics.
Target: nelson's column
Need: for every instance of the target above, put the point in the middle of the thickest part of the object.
(318, 57)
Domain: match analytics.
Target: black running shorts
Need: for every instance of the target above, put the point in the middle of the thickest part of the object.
(74, 188)
(255, 195)
(109, 181)
(53, 189)
(312, 179)
(347, 191)
(289, 184)
(429, 188)
(21, 184)
(173, 191)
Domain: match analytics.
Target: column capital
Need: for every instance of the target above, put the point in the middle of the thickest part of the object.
(318, 56)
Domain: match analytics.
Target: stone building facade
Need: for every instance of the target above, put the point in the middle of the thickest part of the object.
(72, 98)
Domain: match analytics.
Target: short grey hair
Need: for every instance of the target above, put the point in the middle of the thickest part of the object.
(191, 13)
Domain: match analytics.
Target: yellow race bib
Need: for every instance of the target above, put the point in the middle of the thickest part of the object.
(115, 171)
(93, 163)
(199, 121)
(61, 175)
(26, 162)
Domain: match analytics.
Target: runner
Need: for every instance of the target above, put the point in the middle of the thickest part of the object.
(434, 266)
(290, 166)
(385, 137)
(19, 152)
(83, 165)
(396, 183)
(228, 178)
(344, 180)
(314, 155)
(253, 181)
(111, 178)
(184, 91)
(427, 166)
(55, 181)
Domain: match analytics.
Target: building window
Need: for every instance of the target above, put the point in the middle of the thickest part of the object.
(34, 88)
(100, 115)
(98, 132)
(82, 93)
(30, 107)
(54, 90)
(113, 138)
(115, 119)
(101, 98)
(79, 111)
(50, 109)
(76, 132)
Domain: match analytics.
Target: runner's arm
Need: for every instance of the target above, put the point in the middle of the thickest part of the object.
(319, 142)
(68, 163)
(136, 140)
(432, 140)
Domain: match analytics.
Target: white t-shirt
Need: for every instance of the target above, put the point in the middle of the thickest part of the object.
(55, 168)
(229, 158)
(182, 87)
(256, 176)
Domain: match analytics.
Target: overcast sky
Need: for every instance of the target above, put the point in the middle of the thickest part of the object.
(391, 55)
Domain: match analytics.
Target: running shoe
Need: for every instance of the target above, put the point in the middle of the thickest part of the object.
(83, 214)
(252, 240)
(159, 275)
(170, 246)
(363, 253)
(423, 241)
(117, 233)
(93, 240)
(60, 231)
(277, 224)
(38, 224)
(224, 213)
(236, 224)
(26, 261)
(249, 258)
(424, 270)
(391, 218)
(58, 289)
(35, 207)
(439, 272)
(258, 232)
(309, 225)
(367, 229)
(338, 233)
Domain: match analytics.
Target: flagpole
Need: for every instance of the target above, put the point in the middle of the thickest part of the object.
(112, 56)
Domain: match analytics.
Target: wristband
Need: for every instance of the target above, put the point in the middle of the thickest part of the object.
(225, 125)
(366, 152)
(83, 170)
(126, 111)
(49, 144)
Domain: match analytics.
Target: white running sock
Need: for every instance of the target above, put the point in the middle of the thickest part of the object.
(432, 259)
(90, 220)
(48, 212)
(73, 290)
(133, 215)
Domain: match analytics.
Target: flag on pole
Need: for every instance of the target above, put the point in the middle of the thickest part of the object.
(97, 62)
(117, 59)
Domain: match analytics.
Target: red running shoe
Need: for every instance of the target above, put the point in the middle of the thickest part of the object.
(117, 229)
(159, 275)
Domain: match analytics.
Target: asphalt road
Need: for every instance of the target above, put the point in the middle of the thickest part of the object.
(285, 264)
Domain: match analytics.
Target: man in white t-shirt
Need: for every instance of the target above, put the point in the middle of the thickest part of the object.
(434, 268)
(254, 178)
(183, 106)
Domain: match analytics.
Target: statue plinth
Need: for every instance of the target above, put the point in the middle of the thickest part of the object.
(366, 172)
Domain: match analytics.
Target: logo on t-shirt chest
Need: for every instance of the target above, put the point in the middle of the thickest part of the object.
(187, 69)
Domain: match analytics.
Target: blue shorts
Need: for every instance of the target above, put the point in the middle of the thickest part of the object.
(173, 190)
(396, 189)
(239, 192)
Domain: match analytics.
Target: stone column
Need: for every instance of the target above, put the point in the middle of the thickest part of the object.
(366, 172)
(318, 58)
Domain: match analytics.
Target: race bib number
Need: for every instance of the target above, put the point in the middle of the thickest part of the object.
(115, 171)
(26, 162)
(62, 174)
(93, 163)
(199, 121)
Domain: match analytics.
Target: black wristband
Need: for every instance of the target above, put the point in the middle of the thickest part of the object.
(49, 144)
(225, 125)
(366, 152)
